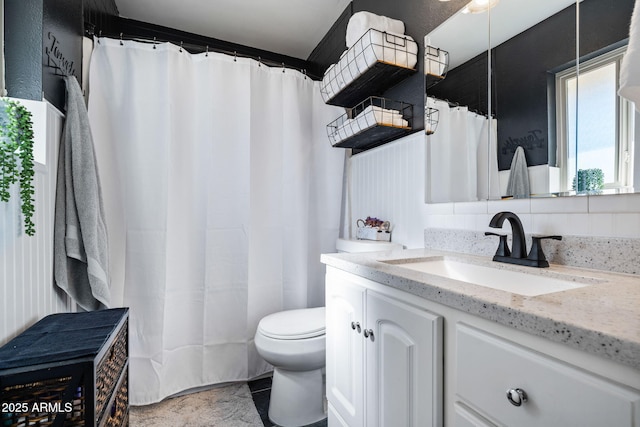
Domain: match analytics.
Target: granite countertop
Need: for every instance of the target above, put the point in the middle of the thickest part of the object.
(602, 318)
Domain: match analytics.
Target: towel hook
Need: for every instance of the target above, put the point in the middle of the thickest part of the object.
(121, 44)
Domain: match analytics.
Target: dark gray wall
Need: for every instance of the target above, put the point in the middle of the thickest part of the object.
(23, 48)
(43, 42)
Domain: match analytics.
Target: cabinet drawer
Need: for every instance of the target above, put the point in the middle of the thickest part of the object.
(558, 394)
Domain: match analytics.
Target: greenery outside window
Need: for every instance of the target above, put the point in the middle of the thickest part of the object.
(595, 125)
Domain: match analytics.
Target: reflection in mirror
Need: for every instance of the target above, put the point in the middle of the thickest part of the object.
(601, 156)
(598, 153)
(562, 121)
(523, 65)
(457, 148)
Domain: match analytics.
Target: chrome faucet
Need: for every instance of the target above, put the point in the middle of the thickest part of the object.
(518, 253)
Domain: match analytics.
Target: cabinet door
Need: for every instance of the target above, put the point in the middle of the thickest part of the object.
(344, 308)
(403, 364)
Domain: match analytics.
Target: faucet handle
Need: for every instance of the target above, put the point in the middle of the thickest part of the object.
(503, 247)
(536, 253)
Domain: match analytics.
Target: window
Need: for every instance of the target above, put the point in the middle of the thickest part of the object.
(594, 125)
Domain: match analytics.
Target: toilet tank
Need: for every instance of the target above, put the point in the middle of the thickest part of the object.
(354, 245)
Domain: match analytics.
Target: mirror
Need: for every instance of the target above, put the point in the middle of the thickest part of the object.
(540, 99)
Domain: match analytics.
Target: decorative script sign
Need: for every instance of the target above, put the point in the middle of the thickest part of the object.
(55, 57)
(533, 139)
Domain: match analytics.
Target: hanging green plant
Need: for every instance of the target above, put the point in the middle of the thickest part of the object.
(16, 157)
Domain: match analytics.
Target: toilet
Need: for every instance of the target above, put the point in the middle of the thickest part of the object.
(293, 341)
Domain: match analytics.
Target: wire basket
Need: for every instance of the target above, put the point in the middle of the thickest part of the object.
(436, 65)
(431, 118)
(370, 113)
(372, 48)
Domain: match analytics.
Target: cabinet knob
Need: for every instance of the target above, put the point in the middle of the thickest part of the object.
(368, 333)
(516, 396)
(356, 326)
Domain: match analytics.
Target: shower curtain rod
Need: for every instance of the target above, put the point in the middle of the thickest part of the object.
(198, 48)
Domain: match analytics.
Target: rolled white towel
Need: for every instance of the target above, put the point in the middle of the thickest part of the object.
(374, 115)
(391, 48)
(630, 69)
(360, 22)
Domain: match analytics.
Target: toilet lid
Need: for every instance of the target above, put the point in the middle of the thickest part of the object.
(294, 324)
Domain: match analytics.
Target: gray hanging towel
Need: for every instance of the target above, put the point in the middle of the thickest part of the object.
(518, 185)
(80, 235)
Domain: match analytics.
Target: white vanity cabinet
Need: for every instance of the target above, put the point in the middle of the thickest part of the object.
(454, 369)
(384, 356)
(495, 376)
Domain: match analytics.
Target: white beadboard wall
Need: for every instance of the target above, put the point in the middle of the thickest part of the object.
(389, 182)
(27, 291)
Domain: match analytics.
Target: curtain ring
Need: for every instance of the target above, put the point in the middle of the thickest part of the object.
(121, 44)
(180, 46)
(207, 52)
(259, 61)
(235, 56)
(154, 42)
(304, 71)
(283, 67)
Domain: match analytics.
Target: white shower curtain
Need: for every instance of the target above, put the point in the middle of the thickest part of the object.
(462, 166)
(221, 191)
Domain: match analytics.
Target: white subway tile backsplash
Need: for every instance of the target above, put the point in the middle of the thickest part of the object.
(480, 207)
(576, 224)
(517, 206)
(617, 203)
(601, 224)
(440, 208)
(626, 225)
(578, 204)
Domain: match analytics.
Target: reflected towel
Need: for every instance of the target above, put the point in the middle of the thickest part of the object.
(435, 61)
(80, 247)
(360, 22)
(518, 185)
(374, 115)
(630, 69)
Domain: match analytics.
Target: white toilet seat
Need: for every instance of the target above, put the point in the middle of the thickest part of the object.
(294, 324)
(293, 340)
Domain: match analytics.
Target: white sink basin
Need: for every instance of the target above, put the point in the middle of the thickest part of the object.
(529, 284)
